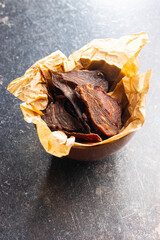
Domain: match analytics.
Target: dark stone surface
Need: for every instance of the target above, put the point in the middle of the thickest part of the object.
(43, 197)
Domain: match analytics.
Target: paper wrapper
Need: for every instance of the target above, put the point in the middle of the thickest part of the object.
(117, 58)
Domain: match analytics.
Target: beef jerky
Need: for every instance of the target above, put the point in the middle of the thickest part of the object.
(68, 92)
(80, 77)
(50, 118)
(103, 119)
(57, 118)
(67, 81)
(84, 137)
(110, 105)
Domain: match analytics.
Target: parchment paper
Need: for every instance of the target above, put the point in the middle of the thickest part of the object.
(117, 58)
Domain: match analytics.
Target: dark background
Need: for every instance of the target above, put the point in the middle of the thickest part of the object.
(43, 197)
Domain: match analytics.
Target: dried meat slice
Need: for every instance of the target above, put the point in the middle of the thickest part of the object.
(50, 118)
(101, 116)
(57, 118)
(80, 77)
(110, 105)
(84, 137)
(67, 81)
(68, 92)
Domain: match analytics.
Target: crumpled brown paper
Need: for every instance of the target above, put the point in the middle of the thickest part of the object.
(117, 58)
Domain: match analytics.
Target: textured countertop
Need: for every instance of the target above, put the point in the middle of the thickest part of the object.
(43, 197)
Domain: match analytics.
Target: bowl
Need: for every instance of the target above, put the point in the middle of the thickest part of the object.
(94, 153)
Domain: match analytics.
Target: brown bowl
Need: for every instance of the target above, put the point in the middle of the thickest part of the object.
(93, 153)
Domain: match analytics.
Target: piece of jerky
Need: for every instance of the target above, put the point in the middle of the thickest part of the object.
(49, 117)
(104, 111)
(58, 82)
(84, 137)
(66, 83)
(57, 118)
(80, 77)
(110, 105)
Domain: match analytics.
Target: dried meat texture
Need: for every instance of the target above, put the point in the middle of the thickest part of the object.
(57, 118)
(67, 81)
(104, 111)
(84, 137)
(50, 119)
(82, 110)
(110, 105)
(68, 91)
(80, 77)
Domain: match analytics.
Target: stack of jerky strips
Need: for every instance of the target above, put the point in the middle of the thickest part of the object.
(80, 106)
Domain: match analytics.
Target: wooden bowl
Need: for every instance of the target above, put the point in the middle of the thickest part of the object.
(93, 153)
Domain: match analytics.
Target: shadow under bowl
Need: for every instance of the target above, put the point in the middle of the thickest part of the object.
(93, 153)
